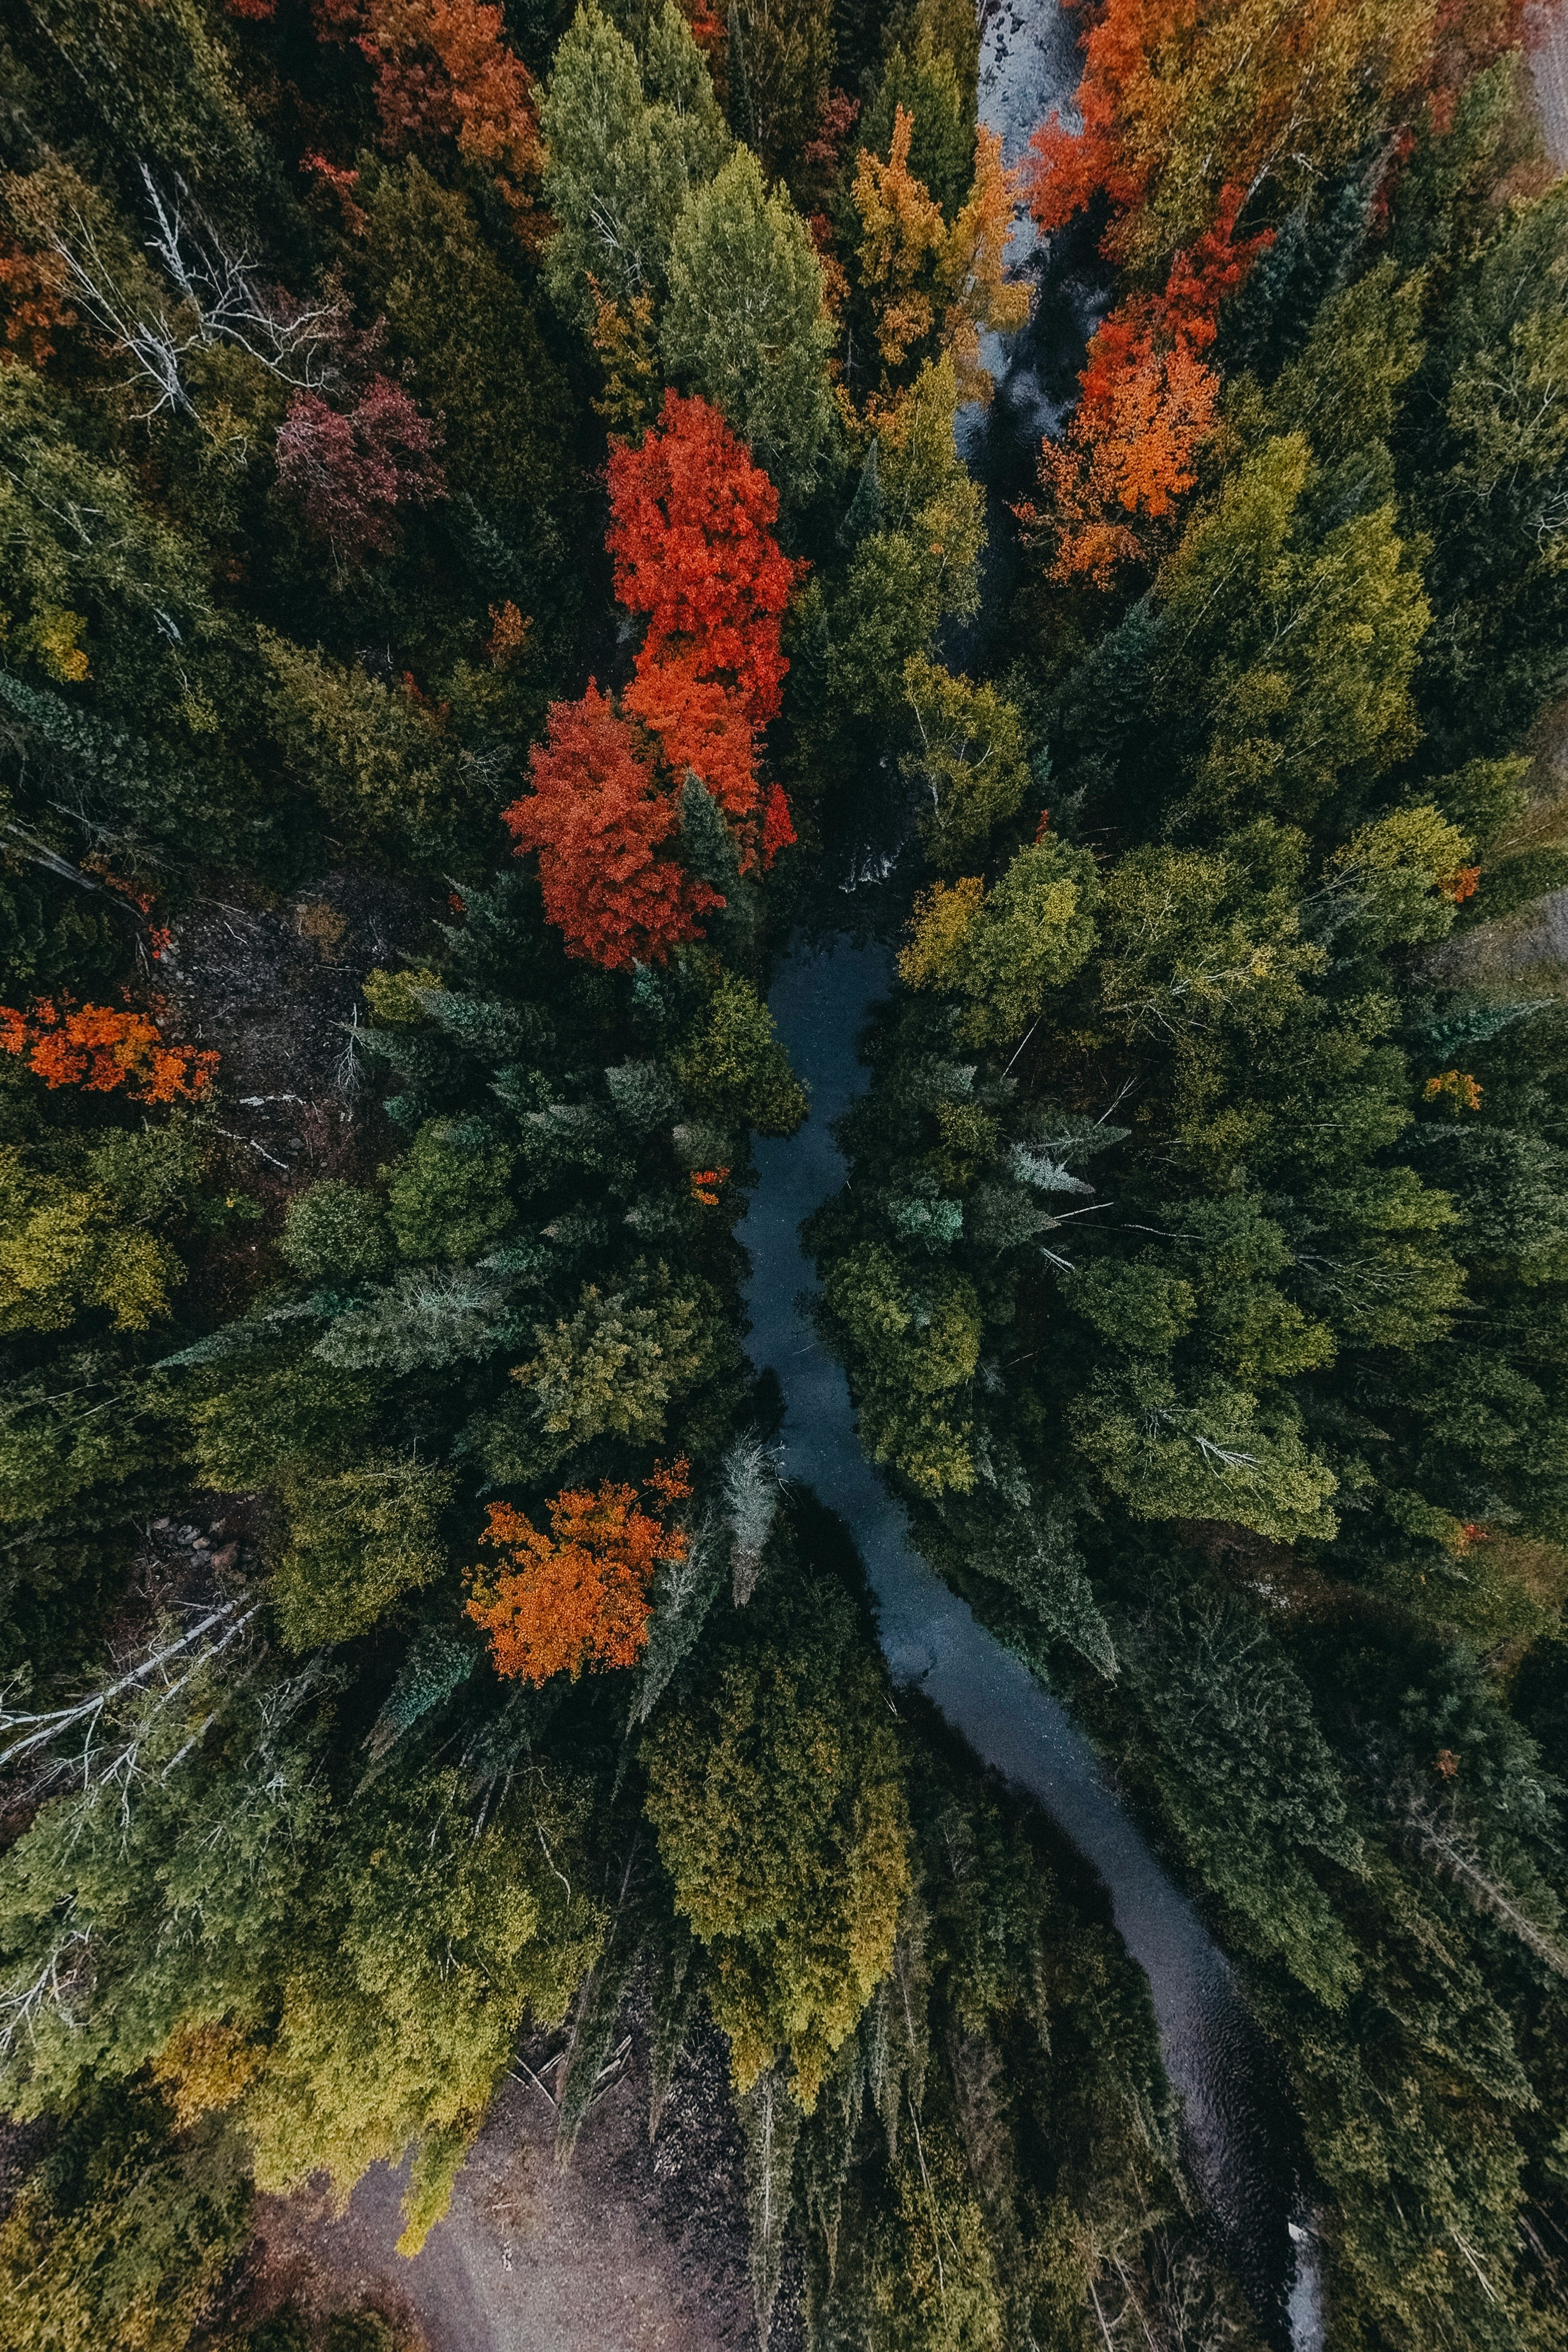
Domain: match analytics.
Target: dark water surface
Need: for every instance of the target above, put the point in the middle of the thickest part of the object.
(1212, 2052)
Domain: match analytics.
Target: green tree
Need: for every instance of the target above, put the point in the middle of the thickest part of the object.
(916, 562)
(123, 2235)
(355, 1544)
(745, 326)
(775, 1794)
(925, 81)
(1485, 476)
(735, 1066)
(779, 61)
(382, 764)
(628, 144)
(472, 344)
(968, 758)
(614, 1367)
(336, 1232)
(914, 1344)
(450, 1196)
(402, 2000)
(66, 1250)
(999, 950)
(1297, 649)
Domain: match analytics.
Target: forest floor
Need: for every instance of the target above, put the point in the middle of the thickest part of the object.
(636, 2248)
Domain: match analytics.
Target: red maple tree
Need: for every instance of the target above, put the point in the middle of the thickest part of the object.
(700, 725)
(598, 818)
(579, 1596)
(691, 535)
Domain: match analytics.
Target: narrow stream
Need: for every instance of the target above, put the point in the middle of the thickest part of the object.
(1212, 2052)
(1238, 2154)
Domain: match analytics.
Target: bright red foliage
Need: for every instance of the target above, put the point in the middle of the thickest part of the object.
(579, 1596)
(598, 820)
(778, 830)
(691, 535)
(699, 725)
(349, 474)
(94, 1046)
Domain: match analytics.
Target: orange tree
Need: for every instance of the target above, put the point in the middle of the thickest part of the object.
(95, 1047)
(579, 1596)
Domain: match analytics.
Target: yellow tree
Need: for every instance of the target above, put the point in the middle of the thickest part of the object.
(928, 286)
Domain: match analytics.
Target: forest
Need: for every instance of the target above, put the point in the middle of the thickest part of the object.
(484, 522)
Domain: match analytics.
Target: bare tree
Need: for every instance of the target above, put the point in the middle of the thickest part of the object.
(217, 299)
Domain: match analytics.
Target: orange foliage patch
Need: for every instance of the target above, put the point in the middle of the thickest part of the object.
(705, 1183)
(1126, 455)
(1457, 1087)
(902, 234)
(598, 820)
(442, 69)
(578, 1597)
(93, 1046)
(32, 304)
(1179, 96)
(1146, 404)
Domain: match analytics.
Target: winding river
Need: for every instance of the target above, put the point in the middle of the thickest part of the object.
(1237, 2154)
(1212, 2052)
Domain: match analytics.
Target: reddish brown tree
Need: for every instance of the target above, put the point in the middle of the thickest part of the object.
(348, 474)
(443, 68)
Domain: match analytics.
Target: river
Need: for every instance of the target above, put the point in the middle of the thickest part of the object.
(1213, 2054)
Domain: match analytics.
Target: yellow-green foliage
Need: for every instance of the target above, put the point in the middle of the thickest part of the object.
(615, 1365)
(999, 950)
(775, 1794)
(67, 1251)
(356, 1543)
(449, 1197)
(734, 1066)
(969, 758)
(122, 2235)
(402, 2007)
(915, 1349)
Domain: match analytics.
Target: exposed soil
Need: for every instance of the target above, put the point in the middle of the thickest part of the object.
(634, 2249)
(275, 987)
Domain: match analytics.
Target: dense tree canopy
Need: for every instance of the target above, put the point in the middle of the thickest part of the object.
(487, 561)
